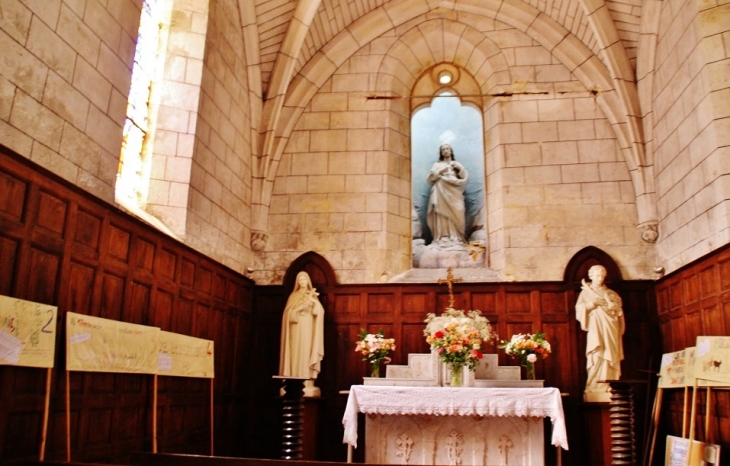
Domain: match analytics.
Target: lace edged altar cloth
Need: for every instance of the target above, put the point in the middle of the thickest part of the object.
(461, 401)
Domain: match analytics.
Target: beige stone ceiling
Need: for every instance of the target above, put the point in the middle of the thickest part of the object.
(274, 18)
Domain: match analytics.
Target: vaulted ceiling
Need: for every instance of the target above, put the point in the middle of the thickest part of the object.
(292, 46)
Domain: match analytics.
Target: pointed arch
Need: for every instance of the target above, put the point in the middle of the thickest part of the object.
(615, 101)
(586, 258)
(319, 269)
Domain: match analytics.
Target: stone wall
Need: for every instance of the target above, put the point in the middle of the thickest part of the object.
(64, 81)
(556, 178)
(219, 209)
(691, 112)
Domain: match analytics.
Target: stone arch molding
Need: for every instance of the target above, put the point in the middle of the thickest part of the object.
(446, 40)
(616, 101)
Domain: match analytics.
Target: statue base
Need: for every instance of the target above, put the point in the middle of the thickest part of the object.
(445, 253)
(310, 390)
(597, 397)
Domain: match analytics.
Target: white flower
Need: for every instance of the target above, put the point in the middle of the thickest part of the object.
(532, 357)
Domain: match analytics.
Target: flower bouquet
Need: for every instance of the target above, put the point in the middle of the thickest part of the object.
(374, 349)
(528, 348)
(457, 338)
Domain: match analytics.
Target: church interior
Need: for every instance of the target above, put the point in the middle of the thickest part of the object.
(176, 163)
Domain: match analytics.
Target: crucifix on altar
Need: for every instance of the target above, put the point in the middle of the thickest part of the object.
(450, 280)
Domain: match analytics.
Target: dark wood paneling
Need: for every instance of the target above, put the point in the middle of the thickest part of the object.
(60, 246)
(695, 301)
(400, 310)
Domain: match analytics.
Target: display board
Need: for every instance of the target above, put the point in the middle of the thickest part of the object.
(712, 362)
(94, 344)
(683, 452)
(185, 356)
(677, 369)
(27, 333)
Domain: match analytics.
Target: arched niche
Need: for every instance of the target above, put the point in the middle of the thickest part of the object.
(431, 82)
(577, 268)
(320, 272)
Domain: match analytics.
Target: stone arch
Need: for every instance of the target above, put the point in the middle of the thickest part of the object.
(319, 269)
(566, 47)
(587, 257)
(490, 62)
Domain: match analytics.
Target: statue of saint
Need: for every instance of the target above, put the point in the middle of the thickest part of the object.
(446, 210)
(600, 313)
(302, 332)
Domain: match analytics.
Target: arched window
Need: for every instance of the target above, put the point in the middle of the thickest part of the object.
(448, 203)
(134, 161)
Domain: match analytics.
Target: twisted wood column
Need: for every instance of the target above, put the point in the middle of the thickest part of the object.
(292, 417)
(623, 438)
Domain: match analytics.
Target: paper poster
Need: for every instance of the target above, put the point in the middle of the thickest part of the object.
(102, 345)
(673, 370)
(27, 333)
(680, 453)
(712, 365)
(184, 356)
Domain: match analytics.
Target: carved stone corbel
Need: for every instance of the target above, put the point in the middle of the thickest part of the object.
(258, 240)
(649, 232)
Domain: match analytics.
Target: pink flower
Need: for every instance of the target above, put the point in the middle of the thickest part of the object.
(531, 357)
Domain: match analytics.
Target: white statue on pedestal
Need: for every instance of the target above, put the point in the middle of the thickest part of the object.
(600, 313)
(302, 334)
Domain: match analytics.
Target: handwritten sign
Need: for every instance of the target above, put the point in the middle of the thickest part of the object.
(184, 356)
(673, 371)
(102, 345)
(712, 365)
(680, 452)
(27, 333)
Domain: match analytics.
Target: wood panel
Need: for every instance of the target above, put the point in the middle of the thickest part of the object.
(400, 310)
(692, 302)
(62, 247)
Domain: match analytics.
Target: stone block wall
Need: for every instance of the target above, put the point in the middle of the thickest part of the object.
(64, 81)
(692, 122)
(556, 178)
(219, 208)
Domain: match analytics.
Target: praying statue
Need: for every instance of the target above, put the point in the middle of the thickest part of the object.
(302, 334)
(446, 211)
(600, 313)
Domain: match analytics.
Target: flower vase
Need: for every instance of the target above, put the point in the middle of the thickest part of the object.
(375, 371)
(456, 375)
(529, 370)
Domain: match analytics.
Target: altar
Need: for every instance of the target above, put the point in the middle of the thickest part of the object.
(454, 425)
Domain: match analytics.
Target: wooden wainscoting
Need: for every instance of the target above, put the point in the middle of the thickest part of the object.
(61, 246)
(692, 302)
(400, 309)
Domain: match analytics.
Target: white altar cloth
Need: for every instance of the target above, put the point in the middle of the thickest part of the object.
(459, 401)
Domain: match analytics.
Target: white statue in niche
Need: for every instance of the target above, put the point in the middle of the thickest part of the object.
(600, 313)
(446, 211)
(302, 334)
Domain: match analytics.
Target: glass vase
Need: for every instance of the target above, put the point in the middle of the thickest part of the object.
(456, 371)
(529, 370)
(375, 371)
